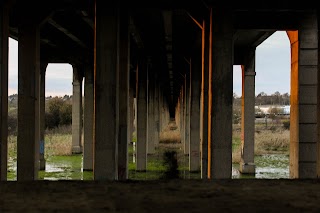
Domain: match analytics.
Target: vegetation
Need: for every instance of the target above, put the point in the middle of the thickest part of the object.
(169, 160)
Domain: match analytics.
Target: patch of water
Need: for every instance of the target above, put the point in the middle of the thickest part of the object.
(269, 166)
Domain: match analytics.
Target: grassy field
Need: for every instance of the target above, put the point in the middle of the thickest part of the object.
(58, 152)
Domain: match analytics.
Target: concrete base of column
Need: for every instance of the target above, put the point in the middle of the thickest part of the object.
(247, 168)
(42, 164)
(76, 149)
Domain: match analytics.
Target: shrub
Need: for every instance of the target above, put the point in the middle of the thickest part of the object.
(171, 164)
(66, 114)
(286, 124)
(58, 112)
(12, 121)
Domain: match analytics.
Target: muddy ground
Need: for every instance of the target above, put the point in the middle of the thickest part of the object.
(234, 195)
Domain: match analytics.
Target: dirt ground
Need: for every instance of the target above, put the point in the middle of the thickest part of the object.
(234, 195)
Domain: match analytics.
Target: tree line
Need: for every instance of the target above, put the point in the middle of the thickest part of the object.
(264, 99)
(58, 112)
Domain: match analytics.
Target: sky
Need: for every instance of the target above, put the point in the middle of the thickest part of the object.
(272, 70)
(273, 62)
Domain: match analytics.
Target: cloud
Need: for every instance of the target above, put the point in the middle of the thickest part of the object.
(272, 69)
(58, 76)
(272, 66)
(59, 79)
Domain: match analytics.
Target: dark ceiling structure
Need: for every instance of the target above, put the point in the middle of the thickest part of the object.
(165, 32)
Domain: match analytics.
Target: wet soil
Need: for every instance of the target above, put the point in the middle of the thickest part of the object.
(233, 195)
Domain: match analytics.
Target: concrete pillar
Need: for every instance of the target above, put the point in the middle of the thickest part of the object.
(88, 114)
(187, 113)
(204, 97)
(194, 157)
(151, 120)
(220, 95)
(4, 35)
(304, 113)
(247, 165)
(28, 96)
(294, 104)
(161, 110)
(184, 114)
(106, 94)
(43, 67)
(124, 69)
(182, 134)
(131, 126)
(76, 111)
(164, 109)
(156, 113)
(142, 108)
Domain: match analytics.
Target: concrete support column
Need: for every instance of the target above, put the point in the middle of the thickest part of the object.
(106, 93)
(4, 35)
(294, 104)
(151, 123)
(220, 95)
(181, 116)
(247, 165)
(28, 96)
(194, 157)
(43, 67)
(304, 113)
(187, 113)
(161, 110)
(204, 97)
(131, 126)
(184, 105)
(142, 108)
(76, 111)
(156, 114)
(177, 113)
(124, 69)
(88, 122)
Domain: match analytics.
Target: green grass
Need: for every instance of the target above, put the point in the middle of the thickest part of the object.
(236, 142)
(65, 167)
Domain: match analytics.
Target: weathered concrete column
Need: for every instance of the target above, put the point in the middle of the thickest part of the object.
(204, 96)
(76, 111)
(88, 114)
(161, 110)
(124, 69)
(194, 157)
(247, 165)
(43, 67)
(156, 113)
(28, 96)
(187, 113)
(142, 116)
(106, 93)
(4, 35)
(220, 95)
(151, 124)
(304, 99)
(131, 126)
(182, 134)
(184, 105)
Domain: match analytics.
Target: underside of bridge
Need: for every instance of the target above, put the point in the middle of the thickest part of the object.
(167, 33)
(186, 49)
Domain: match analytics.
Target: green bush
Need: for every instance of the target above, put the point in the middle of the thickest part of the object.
(58, 112)
(66, 114)
(286, 124)
(12, 121)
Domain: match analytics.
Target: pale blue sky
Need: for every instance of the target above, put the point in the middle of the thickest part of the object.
(272, 69)
(272, 66)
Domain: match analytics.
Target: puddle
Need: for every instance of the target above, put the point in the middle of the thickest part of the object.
(272, 166)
